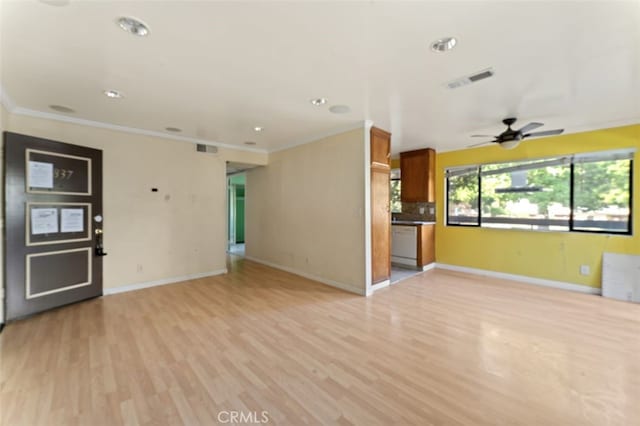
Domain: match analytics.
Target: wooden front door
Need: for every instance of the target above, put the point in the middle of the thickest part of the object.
(53, 215)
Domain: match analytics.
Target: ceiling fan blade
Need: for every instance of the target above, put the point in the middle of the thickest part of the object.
(545, 133)
(480, 144)
(482, 136)
(530, 126)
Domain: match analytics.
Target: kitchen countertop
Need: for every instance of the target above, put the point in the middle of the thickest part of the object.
(411, 222)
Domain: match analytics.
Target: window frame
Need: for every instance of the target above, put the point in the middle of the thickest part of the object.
(391, 180)
(571, 160)
(446, 195)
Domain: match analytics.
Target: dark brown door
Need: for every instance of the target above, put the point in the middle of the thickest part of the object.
(53, 216)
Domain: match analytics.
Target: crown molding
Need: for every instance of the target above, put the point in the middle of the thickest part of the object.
(126, 129)
(11, 106)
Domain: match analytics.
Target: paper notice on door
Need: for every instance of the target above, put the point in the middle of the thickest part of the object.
(44, 221)
(72, 220)
(40, 174)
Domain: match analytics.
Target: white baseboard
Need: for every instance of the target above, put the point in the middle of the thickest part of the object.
(378, 286)
(428, 267)
(332, 283)
(522, 278)
(164, 281)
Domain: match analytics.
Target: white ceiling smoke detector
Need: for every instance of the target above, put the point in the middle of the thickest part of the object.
(340, 109)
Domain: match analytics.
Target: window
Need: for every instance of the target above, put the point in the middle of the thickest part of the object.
(396, 204)
(526, 195)
(602, 194)
(463, 196)
(583, 192)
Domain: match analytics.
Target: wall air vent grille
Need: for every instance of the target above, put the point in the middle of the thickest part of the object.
(206, 148)
(473, 78)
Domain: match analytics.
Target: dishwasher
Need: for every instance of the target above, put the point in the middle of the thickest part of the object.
(404, 244)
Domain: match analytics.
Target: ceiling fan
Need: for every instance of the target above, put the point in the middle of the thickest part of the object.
(510, 138)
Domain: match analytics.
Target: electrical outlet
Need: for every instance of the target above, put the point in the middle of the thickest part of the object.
(139, 268)
(421, 210)
(585, 270)
(432, 210)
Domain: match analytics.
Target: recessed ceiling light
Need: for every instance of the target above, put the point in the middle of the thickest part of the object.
(249, 143)
(114, 94)
(318, 101)
(133, 26)
(258, 128)
(444, 44)
(173, 129)
(62, 108)
(340, 109)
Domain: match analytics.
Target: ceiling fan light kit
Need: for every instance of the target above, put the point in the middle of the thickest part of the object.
(509, 144)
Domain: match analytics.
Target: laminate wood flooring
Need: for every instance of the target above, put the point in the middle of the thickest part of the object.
(441, 348)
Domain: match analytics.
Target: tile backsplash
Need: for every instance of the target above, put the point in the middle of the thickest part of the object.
(417, 211)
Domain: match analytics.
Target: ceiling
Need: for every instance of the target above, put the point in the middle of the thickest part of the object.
(218, 69)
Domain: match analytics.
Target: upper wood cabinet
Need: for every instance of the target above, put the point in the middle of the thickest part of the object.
(380, 147)
(417, 169)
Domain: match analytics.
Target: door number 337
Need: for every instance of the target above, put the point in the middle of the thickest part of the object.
(62, 174)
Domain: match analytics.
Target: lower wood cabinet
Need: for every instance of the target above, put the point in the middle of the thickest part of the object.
(426, 245)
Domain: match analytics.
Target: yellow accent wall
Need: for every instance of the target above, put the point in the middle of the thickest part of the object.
(548, 255)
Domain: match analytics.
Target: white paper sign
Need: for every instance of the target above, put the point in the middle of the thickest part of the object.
(40, 174)
(44, 221)
(72, 220)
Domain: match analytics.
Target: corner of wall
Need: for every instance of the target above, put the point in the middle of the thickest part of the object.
(305, 211)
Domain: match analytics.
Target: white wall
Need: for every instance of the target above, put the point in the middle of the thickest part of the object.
(3, 120)
(149, 236)
(305, 211)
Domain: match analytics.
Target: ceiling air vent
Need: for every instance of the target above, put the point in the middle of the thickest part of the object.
(208, 149)
(481, 75)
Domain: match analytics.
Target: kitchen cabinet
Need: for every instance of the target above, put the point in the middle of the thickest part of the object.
(426, 245)
(380, 206)
(380, 148)
(417, 169)
(413, 245)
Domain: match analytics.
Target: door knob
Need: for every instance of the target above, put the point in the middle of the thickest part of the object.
(99, 248)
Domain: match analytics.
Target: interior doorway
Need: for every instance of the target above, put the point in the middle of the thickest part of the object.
(236, 184)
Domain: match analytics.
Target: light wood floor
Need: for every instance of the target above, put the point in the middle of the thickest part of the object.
(442, 348)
